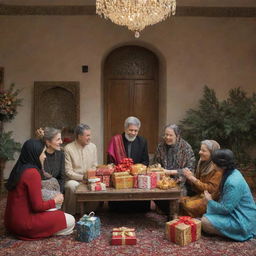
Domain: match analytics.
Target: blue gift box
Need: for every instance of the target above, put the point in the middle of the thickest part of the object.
(88, 228)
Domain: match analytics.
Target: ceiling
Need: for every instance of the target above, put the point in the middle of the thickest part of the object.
(193, 8)
(195, 3)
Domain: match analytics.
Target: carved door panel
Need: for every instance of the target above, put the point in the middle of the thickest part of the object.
(119, 107)
(131, 89)
(145, 107)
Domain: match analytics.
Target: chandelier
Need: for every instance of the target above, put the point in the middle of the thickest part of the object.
(135, 14)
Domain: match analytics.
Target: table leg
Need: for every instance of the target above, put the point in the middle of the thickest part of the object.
(81, 208)
(173, 209)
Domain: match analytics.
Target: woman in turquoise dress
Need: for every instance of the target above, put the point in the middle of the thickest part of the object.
(234, 215)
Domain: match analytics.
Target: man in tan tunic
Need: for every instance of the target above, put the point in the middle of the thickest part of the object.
(80, 156)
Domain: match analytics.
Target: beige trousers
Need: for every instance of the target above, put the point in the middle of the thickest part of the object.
(70, 197)
(70, 220)
(70, 205)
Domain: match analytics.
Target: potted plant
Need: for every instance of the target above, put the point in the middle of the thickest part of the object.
(8, 109)
(231, 122)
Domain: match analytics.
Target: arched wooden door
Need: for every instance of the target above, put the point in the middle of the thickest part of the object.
(131, 89)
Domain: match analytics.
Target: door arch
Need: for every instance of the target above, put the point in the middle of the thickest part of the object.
(131, 89)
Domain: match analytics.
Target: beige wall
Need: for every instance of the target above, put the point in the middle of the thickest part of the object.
(192, 51)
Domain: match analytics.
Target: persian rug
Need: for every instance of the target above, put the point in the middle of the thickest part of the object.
(150, 228)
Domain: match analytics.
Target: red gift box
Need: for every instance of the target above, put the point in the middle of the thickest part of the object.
(153, 177)
(106, 180)
(123, 236)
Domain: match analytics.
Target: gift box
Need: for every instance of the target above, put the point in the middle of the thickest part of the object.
(88, 228)
(138, 169)
(122, 180)
(105, 170)
(159, 174)
(144, 181)
(135, 181)
(153, 180)
(123, 236)
(97, 186)
(183, 230)
(91, 174)
(106, 180)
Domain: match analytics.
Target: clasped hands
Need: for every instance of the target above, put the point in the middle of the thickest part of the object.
(59, 198)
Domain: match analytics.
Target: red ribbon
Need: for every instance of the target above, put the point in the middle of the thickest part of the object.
(186, 220)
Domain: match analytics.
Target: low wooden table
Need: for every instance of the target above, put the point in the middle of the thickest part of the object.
(112, 194)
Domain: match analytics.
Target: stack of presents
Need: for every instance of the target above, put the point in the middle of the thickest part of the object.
(182, 231)
(128, 175)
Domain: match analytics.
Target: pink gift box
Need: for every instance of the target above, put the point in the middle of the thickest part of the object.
(144, 181)
(153, 177)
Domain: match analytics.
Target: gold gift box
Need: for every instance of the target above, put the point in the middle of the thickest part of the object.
(122, 180)
(181, 233)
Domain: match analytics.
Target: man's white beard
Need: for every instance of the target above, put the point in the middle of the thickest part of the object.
(129, 138)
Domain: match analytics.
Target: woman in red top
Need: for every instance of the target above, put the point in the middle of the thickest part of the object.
(27, 216)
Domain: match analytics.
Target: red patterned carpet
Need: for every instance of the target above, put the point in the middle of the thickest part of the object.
(149, 231)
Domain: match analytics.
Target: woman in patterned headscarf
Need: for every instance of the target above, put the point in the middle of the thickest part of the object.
(206, 178)
(174, 154)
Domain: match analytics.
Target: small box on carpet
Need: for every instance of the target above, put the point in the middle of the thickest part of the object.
(88, 228)
(183, 230)
(123, 236)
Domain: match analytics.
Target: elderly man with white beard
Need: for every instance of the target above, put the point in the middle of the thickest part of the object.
(129, 144)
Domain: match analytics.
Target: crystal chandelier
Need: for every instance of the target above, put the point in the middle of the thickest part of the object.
(135, 14)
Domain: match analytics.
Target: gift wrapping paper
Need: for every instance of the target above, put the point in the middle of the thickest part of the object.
(122, 180)
(135, 181)
(91, 174)
(153, 180)
(144, 181)
(88, 228)
(97, 186)
(106, 180)
(123, 236)
(159, 174)
(183, 230)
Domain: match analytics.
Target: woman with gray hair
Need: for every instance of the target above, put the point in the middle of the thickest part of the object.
(206, 178)
(174, 154)
(54, 165)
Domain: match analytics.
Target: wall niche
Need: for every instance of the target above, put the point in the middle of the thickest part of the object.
(56, 104)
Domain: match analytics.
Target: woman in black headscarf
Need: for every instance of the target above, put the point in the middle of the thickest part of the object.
(27, 215)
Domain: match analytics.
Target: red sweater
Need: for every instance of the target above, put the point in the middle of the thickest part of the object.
(26, 215)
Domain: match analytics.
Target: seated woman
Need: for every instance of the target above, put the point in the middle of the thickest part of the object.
(234, 214)
(26, 214)
(206, 178)
(54, 163)
(174, 154)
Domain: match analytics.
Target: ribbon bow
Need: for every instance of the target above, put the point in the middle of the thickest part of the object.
(123, 232)
(89, 217)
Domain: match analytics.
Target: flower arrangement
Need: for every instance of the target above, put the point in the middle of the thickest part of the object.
(9, 103)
